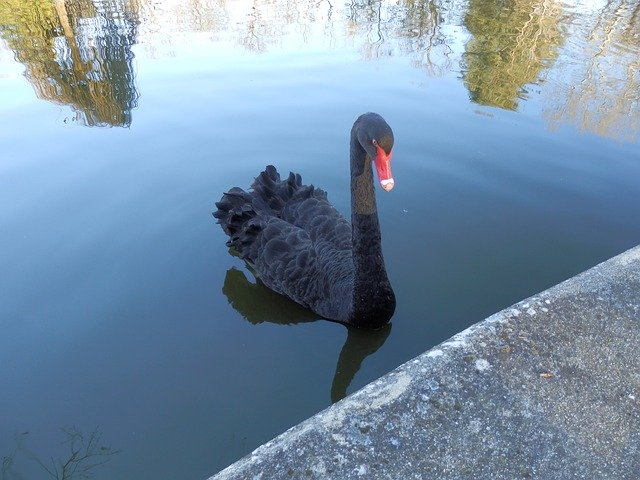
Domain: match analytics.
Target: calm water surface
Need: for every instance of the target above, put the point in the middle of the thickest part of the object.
(132, 336)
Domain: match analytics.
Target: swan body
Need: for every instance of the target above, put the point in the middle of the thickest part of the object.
(300, 246)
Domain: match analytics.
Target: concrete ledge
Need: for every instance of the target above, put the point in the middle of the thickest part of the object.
(549, 388)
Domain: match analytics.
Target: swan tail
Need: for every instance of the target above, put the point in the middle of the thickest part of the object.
(239, 219)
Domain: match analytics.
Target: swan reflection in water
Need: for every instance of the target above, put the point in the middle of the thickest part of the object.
(249, 300)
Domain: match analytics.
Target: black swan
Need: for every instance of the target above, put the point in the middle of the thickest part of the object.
(301, 247)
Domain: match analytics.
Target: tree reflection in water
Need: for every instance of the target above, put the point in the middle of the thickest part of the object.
(78, 54)
(258, 304)
(583, 59)
(597, 84)
(85, 452)
(512, 43)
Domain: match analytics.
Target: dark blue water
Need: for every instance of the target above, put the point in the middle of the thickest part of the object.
(129, 333)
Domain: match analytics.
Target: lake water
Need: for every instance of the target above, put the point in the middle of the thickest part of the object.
(132, 336)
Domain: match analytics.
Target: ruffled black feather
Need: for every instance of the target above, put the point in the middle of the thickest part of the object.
(298, 243)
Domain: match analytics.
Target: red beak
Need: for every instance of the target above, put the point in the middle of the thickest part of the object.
(383, 167)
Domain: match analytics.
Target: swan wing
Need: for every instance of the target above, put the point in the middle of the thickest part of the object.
(304, 206)
(296, 241)
(310, 272)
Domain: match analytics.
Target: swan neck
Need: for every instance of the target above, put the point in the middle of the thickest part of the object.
(372, 294)
(364, 211)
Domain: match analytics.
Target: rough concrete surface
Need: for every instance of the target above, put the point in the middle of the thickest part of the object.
(546, 389)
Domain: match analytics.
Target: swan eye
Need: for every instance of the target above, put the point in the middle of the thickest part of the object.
(375, 142)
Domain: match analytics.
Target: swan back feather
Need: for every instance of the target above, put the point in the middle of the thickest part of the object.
(295, 240)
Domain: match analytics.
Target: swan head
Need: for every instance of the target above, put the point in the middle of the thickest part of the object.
(376, 138)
